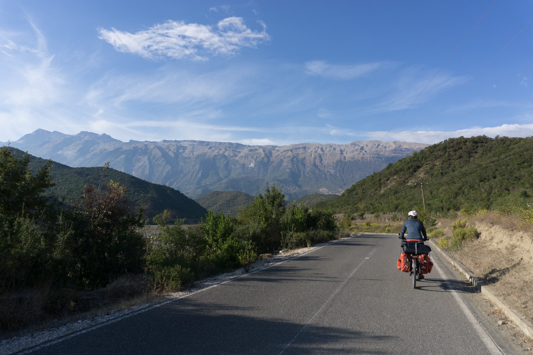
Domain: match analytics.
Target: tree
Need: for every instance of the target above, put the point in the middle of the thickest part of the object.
(100, 240)
(266, 211)
(22, 193)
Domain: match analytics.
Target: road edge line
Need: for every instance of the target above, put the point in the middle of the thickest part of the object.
(169, 299)
(520, 322)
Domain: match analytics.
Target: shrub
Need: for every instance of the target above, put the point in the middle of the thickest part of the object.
(459, 224)
(266, 211)
(170, 278)
(463, 234)
(321, 220)
(217, 231)
(444, 242)
(246, 258)
(99, 241)
(436, 233)
(321, 236)
(345, 222)
(296, 240)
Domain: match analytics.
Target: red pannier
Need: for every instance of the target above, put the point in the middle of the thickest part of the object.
(403, 263)
(425, 264)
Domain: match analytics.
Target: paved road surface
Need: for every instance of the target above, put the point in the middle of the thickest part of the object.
(344, 298)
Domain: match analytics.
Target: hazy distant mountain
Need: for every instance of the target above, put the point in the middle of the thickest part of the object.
(196, 167)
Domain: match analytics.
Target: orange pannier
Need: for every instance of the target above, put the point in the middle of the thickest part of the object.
(425, 264)
(403, 263)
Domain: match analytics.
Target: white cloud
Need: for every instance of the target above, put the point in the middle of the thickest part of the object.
(334, 71)
(431, 137)
(523, 82)
(9, 46)
(257, 142)
(325, 114)
(224, 8)
(178, 40)
(29, 79)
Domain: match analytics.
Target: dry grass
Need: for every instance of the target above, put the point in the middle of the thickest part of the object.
(502, 257)
(36, 307)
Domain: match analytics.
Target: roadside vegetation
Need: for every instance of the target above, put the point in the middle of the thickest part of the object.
(58, 260)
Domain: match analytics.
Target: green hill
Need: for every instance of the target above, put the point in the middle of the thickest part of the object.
(225, 201)
(458, 174)
(153, 198)
(312, 200)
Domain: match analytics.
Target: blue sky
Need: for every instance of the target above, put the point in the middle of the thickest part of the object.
(267, 72)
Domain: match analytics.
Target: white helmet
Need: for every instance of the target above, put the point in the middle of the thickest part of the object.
(412, 213)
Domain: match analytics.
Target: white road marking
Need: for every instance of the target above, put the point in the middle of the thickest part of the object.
(485, 337)
(339, 289)
(148, 308)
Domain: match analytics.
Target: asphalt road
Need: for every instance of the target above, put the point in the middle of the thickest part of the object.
(344, 298)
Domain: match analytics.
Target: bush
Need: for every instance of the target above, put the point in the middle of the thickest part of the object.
(444, 243)
(459, 224)
(436, 233)
(345, 222)
(170, 278)
(266, 211)
(462, 234)
(246, 258)
(99, 241)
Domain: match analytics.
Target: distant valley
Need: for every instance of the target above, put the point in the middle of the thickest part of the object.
(197, 167)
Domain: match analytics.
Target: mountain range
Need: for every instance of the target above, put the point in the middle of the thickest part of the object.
(198, 167)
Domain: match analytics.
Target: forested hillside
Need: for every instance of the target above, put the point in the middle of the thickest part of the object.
(153, 198)
(225, 201)
(458, 174)
(311, 200)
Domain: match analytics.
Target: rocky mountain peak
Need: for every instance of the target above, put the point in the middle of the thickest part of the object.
(198, 167)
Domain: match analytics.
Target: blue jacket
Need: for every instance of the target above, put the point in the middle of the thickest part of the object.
(415, 229)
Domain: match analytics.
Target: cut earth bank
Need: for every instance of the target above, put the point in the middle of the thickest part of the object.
(501, 258)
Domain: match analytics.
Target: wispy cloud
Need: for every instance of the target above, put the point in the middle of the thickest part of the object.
(191, 126)
(172, 86)
(325, 114)
(431, 137)
(179, 40)
(28, 77)
(409, 85)
(336, 71)
(224, 8)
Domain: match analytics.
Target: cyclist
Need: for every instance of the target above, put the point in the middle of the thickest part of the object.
(415, 230)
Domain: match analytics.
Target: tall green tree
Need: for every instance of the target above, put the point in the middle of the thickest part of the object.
(22, 191)
(266, 211)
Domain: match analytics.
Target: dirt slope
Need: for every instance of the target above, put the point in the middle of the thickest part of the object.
(503, 258)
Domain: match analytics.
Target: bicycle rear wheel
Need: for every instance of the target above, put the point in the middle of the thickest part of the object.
(415, 271)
